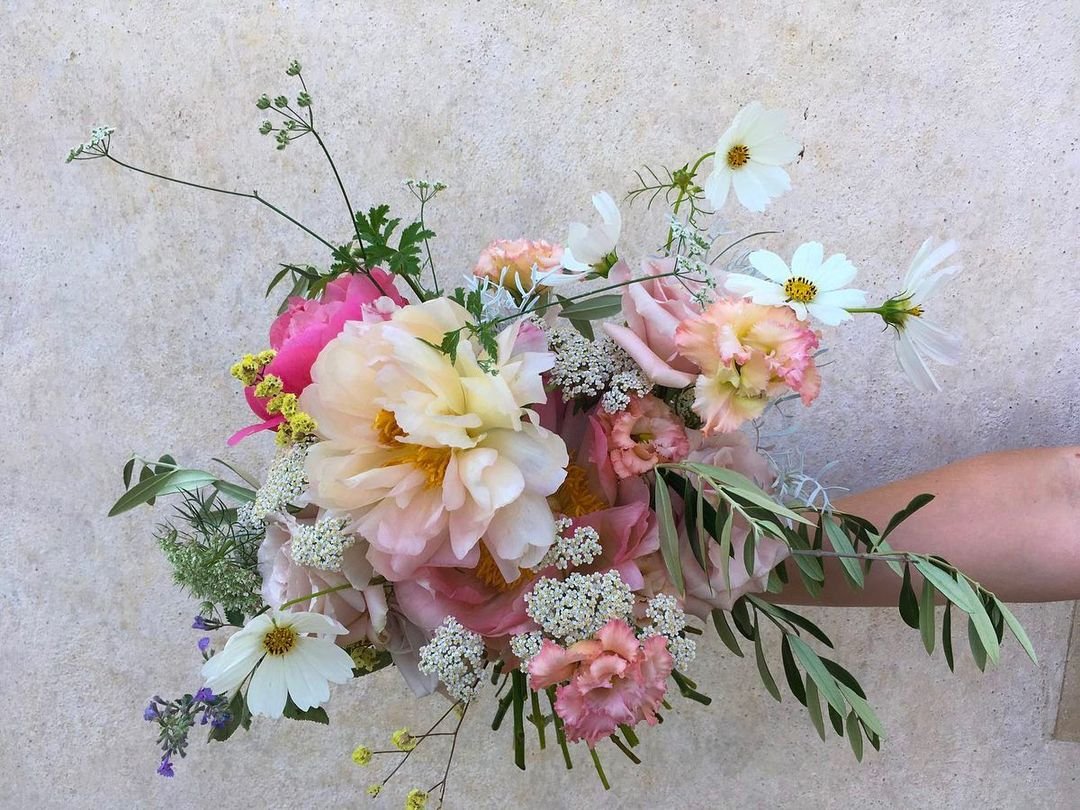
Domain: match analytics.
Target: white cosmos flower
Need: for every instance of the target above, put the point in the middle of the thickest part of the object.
(749, 156)
(812, 285)
(587, 247)
(919, 338)
(287, 661)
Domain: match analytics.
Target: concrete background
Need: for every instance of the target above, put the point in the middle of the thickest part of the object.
(125, 300)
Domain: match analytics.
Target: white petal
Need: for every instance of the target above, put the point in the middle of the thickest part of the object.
(226, 671)
(776, 151)
(609, 212)
(799, 309)
(939, 345)
(267, 693)
(846, 299)
(768, 124)
(914, 366)
(745, 119)
(749, 190)
(328, 659)
(828, 314)
(313, 623)
(770, 265)
(806, 261)
(929, 285)
(306, 687)
(835, 272)
(717, 185)
(758, 290)
(774, 180)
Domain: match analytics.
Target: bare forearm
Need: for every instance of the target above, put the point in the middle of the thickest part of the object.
(1009, 520)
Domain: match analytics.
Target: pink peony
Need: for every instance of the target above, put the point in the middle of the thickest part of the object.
(647, 433)
(611, 680)
(653, 309)
(510, 262)
(747, 354)
(301, 332)
(361, 609)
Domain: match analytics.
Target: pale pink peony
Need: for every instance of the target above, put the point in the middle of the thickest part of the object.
(647, 433)
(361, 608)
(301, 332)
(653, 309)
(747, 354)
(610, 680)
(510, 262)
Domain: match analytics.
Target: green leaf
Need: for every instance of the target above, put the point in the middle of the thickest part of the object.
(909, 604)
(1017, 630)
(854, 734)
(862, 708)
(843, 677)
(160, 484)
(815, 668)
(841, 544)
(693, 515)
(791, 617)
(927, 616)
(948, 586)
(791, 672)
(723, 629)
(740, 614)
(916, 503)
(946, 636)
(980, 619)
(725, 546)
(235, 491)
(750, 552)
(316, 714)
(584, 328)
(669, 537)
(239, 717)
(813, 706)
(594, 308)
(837, 720)
(129, 468)
(763, 666)
(978, 651)
(247, 478)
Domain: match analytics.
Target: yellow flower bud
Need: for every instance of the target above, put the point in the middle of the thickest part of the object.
(361, 755)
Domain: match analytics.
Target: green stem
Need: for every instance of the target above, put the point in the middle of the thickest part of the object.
(560, 733)
(865, 310)
(537, 718)
(682, 196)
(518, 694)
(324, 592)
(599, 769)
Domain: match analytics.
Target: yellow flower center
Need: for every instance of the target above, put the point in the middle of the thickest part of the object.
(916, 311)
(738, 156)
(574, 498)
(279, 639)
(800, 289)
(431, 461)
(387, 428)
(488, 572)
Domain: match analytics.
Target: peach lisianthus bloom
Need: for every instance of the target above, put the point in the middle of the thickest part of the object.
(612, 679)
(428, 454)
(747, 354)
(511, 262)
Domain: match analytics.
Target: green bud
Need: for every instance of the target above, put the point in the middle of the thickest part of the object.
(266, 128)
(293, 69)
(263, 102)
(282, 139)
(281, 101)
(304, 100)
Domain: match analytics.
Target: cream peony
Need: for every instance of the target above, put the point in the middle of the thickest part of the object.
(430, 456)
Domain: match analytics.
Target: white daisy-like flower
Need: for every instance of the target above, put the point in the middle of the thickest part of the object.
(588, 249)
(284, 661)
(749, 156)
(919, 338)
(812, 285)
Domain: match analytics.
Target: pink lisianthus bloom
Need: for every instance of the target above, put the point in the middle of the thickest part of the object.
(731, 451)
(647, 433)
(301, 331)
(747, 354)
(510, 262)
(361, 609)
(607, 681)
(653, 310)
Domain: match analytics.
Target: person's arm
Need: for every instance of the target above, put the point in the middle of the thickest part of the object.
(1010, 521)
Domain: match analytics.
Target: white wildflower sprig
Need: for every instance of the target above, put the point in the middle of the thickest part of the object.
(578, 547)
(321, 545)
(574, 608)
(589, 368)
(669, 621)
(457, 657)
(96, 147)
(286, 482)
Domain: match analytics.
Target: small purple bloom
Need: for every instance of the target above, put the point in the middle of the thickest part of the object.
(199, 623)
(150, 712)
(220, 720)
(166, 768)
(205, 695)
(204, 642)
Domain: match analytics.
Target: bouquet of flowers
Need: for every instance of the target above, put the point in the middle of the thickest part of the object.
(530, 493)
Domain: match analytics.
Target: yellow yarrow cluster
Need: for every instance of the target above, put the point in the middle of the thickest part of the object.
(361, 755)
(248, 368)
(403, 740)
(374, 790)
(298, 425)
(416, 800)
(364, 656)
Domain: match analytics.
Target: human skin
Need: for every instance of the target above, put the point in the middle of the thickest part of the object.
(1009, 520)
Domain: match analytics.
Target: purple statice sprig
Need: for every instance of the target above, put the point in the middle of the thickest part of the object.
(176, 718)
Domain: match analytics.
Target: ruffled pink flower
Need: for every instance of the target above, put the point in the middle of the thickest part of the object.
(301, 332)
(653, 310)
(610, 680)
(510, 262)
(647, 433)
(747, 354)
(361, 609)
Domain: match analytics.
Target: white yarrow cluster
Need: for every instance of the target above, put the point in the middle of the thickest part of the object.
(321, 545)
(579, 547)
(588, 368)
(669, 621)
(526, 646)
(286, 481)
(575, 608)
(99, 137)
(457, 657)
(623, 387)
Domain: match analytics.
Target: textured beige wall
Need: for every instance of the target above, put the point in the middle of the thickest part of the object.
(125, 300)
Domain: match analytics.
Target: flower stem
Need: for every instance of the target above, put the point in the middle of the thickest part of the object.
(323, 592)
(599, 769)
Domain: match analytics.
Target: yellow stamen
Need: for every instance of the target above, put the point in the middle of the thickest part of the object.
(738, 156)
(574, 498)
(488, 572)
(800, 289)
(279, 639)
(916, 311)
(387, 428)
